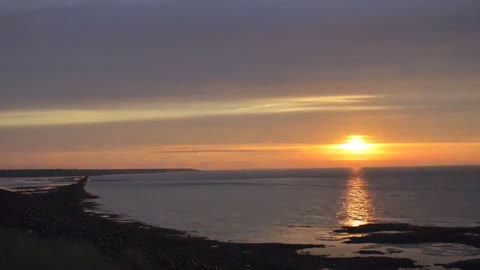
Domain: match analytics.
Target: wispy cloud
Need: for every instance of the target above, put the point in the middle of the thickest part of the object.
(229, 149)
(161, 111)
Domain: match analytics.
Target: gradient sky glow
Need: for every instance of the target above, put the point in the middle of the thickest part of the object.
(237, 84)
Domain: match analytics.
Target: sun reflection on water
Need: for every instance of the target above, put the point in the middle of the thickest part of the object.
(356, 205)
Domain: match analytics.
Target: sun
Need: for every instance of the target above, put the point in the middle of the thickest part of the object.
(356, 144)
(355, 148)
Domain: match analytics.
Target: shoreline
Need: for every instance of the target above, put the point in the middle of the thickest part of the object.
(60, 213)
(83, 172)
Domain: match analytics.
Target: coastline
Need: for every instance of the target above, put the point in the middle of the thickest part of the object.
(59, 213)
(86, 172)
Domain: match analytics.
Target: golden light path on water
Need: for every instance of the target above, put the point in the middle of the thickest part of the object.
(356, 205)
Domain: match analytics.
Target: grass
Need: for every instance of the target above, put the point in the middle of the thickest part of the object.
(24, 251)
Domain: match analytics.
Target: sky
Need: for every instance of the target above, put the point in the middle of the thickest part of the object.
(238, 84)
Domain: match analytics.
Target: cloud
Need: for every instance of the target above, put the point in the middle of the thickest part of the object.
(99, 55)
(164, 111)
(232, 149)
(84, 75)
(438, 105)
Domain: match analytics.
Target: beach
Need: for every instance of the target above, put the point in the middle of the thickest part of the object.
(60, 214)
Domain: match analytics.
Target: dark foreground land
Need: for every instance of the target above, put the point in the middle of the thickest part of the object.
(51, 230)
(76, 172)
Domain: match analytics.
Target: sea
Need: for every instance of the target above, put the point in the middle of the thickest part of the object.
(300, 206)
(293, 206)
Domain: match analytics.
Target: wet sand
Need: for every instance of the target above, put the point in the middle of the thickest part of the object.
(60, 212)
(412, 234)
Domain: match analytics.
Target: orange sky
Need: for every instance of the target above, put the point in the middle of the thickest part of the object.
(238, 84)
(252, 156)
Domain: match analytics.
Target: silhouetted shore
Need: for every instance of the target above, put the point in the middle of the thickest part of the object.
(59, 214)
(82, 172)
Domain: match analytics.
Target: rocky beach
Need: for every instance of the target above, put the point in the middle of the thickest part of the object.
(60, 213)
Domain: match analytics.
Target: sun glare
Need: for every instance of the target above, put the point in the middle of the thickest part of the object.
(356, 144)
(354, 147)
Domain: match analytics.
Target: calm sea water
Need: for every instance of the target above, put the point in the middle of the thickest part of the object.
(292, 206)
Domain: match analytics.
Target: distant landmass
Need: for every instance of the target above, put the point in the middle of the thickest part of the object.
(82, 172)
